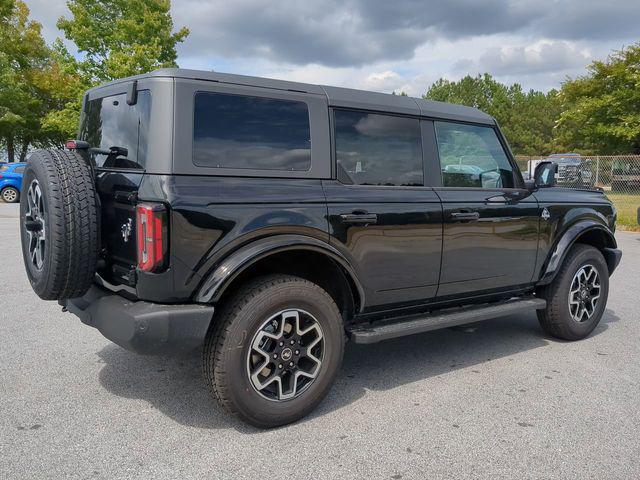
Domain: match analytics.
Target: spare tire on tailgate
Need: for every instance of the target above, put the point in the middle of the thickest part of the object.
(59, 224)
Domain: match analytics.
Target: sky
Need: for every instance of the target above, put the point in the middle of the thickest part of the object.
(394, 45)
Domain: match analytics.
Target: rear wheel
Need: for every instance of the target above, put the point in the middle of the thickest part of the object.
(10, 194)
(577, 297)
(275, 350)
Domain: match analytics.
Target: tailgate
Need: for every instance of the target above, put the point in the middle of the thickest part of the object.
(118, 196)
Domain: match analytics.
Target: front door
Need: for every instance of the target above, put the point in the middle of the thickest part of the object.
(380, 215)
(490, 234)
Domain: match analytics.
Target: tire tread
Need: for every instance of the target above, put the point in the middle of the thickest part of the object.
(73, 224)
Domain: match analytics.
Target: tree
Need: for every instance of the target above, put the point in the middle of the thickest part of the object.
(23, 57)
(526, 118)
(601, 110)
(119, 38)
(66, 88)
(41, 86)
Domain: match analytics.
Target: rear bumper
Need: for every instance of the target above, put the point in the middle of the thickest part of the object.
(140, 326)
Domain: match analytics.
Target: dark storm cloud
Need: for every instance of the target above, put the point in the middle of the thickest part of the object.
(352, 33)
(357, 32)
(590, 20)
(329, 32)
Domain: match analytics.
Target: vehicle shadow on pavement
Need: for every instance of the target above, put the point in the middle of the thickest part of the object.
(174, 384)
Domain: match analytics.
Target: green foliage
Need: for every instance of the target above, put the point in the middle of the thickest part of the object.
(601, 110)
(24, 66)
(527, 118)
(120, 38)
(41, 86)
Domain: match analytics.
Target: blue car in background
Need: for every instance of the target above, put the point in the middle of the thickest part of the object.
(11, 181)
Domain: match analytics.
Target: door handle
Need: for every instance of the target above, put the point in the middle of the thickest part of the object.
(360, 218)
(465, 216)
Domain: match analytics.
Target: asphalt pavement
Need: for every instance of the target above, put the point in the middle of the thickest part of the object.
(493, 400)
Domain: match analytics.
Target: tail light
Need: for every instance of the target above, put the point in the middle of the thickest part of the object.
(151, 232)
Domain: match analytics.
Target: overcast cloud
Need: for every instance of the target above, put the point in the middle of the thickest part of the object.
(395, 45)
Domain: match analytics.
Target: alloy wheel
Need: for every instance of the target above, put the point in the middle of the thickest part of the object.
(285, 355)
(584, 293)
(35, 224)
(9, 195)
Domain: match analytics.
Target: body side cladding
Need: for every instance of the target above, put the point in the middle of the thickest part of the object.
(234, 264)
(566, 241)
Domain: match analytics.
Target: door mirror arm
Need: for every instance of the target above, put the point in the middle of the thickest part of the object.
(530, 185)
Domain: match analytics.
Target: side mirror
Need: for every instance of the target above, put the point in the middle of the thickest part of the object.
(545, 174)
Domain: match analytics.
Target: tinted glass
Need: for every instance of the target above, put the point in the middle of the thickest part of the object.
(239, 131)
(109, 122)
(374, 149)
(472, 156)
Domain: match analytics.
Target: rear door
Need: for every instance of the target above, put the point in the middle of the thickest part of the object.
(380, 214)
(490, 235)
(109, 122)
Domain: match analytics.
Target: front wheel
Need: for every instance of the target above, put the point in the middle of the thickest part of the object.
(577, 297)
(275, 350)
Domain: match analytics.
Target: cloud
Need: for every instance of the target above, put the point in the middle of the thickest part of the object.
(329, 33)
(340, 33)
(402, 45)
(383, 81)
(589, 20)
(541, 57)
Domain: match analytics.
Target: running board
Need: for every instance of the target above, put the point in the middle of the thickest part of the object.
(399, 327)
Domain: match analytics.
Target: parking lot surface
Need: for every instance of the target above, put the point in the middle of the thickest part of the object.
(493, 400)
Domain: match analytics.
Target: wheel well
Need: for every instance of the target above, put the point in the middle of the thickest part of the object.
(596, 238)
(313, 266)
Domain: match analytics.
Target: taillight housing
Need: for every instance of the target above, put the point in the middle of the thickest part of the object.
(152, 236)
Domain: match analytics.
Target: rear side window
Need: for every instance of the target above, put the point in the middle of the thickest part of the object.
(374, 149)
(472, 156)
(19, 170)
(247, 132)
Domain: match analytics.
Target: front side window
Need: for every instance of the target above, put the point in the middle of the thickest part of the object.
(241, 131)
(374, 149)
(110, 122)
(472, 156)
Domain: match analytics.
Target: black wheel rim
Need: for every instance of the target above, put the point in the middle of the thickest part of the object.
(285, 355)
(35, 225)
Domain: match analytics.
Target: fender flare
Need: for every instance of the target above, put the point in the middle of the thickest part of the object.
(563, 245)
(216, 282)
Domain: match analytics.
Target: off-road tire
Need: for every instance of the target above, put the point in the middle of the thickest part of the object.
(15, 196)
(228, 342)
(71, 219)
(556, 319)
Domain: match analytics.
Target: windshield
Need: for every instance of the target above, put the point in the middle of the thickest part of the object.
(109, 122)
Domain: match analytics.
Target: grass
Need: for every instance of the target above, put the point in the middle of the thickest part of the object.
(627, 206)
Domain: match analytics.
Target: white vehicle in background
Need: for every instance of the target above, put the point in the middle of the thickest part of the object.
(573, 169)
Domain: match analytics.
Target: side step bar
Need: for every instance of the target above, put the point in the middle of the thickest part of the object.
(399, 327)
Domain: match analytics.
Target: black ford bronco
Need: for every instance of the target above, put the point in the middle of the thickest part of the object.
(268, 222)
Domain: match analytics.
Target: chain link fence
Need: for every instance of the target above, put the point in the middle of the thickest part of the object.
(617, 175)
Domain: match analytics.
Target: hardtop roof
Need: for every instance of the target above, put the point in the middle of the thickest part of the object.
(336, 96)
